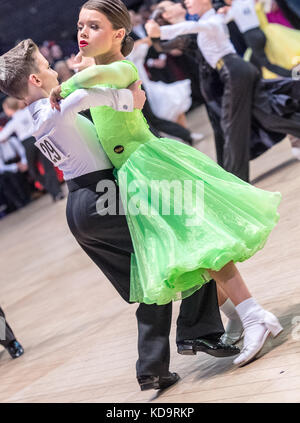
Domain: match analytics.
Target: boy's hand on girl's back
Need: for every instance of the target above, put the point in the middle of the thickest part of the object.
(139, 95)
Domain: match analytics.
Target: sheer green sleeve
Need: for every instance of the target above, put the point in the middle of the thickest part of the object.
(118, 75)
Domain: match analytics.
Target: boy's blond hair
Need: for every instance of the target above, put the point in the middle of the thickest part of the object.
(15, 67)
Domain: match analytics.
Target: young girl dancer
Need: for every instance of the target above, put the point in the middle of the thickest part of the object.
(175, 253)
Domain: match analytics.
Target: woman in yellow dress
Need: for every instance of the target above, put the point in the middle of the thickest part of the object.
(283, 44)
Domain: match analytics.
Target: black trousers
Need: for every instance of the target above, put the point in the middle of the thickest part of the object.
(3, 201)
(106, 240)
(276, 105)
(212, 91)
(15, 189)
(275, 110)
(49, 179)
(9, 335)
(256, 40)
(239, 78)
(214, 119)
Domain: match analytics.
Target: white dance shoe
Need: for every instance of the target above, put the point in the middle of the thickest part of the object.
(234, 332)
(258, 325)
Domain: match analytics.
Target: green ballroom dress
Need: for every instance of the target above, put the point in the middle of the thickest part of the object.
(185, 213)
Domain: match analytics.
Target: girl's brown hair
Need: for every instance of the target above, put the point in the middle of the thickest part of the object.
(118, 15)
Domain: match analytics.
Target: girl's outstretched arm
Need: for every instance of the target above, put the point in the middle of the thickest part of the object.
(117, 75)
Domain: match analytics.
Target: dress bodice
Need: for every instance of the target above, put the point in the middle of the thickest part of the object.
(120, 133)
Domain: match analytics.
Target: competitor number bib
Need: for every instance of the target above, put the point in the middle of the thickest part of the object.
(51, 151)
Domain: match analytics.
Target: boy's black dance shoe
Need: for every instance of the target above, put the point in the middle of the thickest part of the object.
(157, 382)
(212, 346)
(15, 349)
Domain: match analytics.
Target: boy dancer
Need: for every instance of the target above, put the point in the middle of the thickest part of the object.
(70, 141)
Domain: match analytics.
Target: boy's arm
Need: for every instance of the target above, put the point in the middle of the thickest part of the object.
(118, 74)
(120, 100)
(168, 32)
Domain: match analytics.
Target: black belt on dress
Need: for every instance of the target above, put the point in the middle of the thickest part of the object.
(90, 179)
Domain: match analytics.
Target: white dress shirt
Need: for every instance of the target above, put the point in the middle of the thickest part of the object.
(68, 139)
(213, 35)
(21, 124)
(244, 14)
(8, 151)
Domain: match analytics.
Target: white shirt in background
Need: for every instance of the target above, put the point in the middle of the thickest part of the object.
(21, 124)
(244, 14)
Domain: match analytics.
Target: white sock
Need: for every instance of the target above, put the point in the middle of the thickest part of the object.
(229, 310)
(234, 328)
(246, 307)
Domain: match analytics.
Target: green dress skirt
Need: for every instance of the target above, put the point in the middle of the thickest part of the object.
(185, 213)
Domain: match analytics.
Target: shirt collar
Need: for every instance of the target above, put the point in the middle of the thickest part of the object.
(208, 14)
(37, 106)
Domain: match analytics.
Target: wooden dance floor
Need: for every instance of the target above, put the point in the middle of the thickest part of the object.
(80, 337)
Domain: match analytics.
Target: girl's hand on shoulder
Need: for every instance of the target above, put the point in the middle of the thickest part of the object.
(78, 63)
